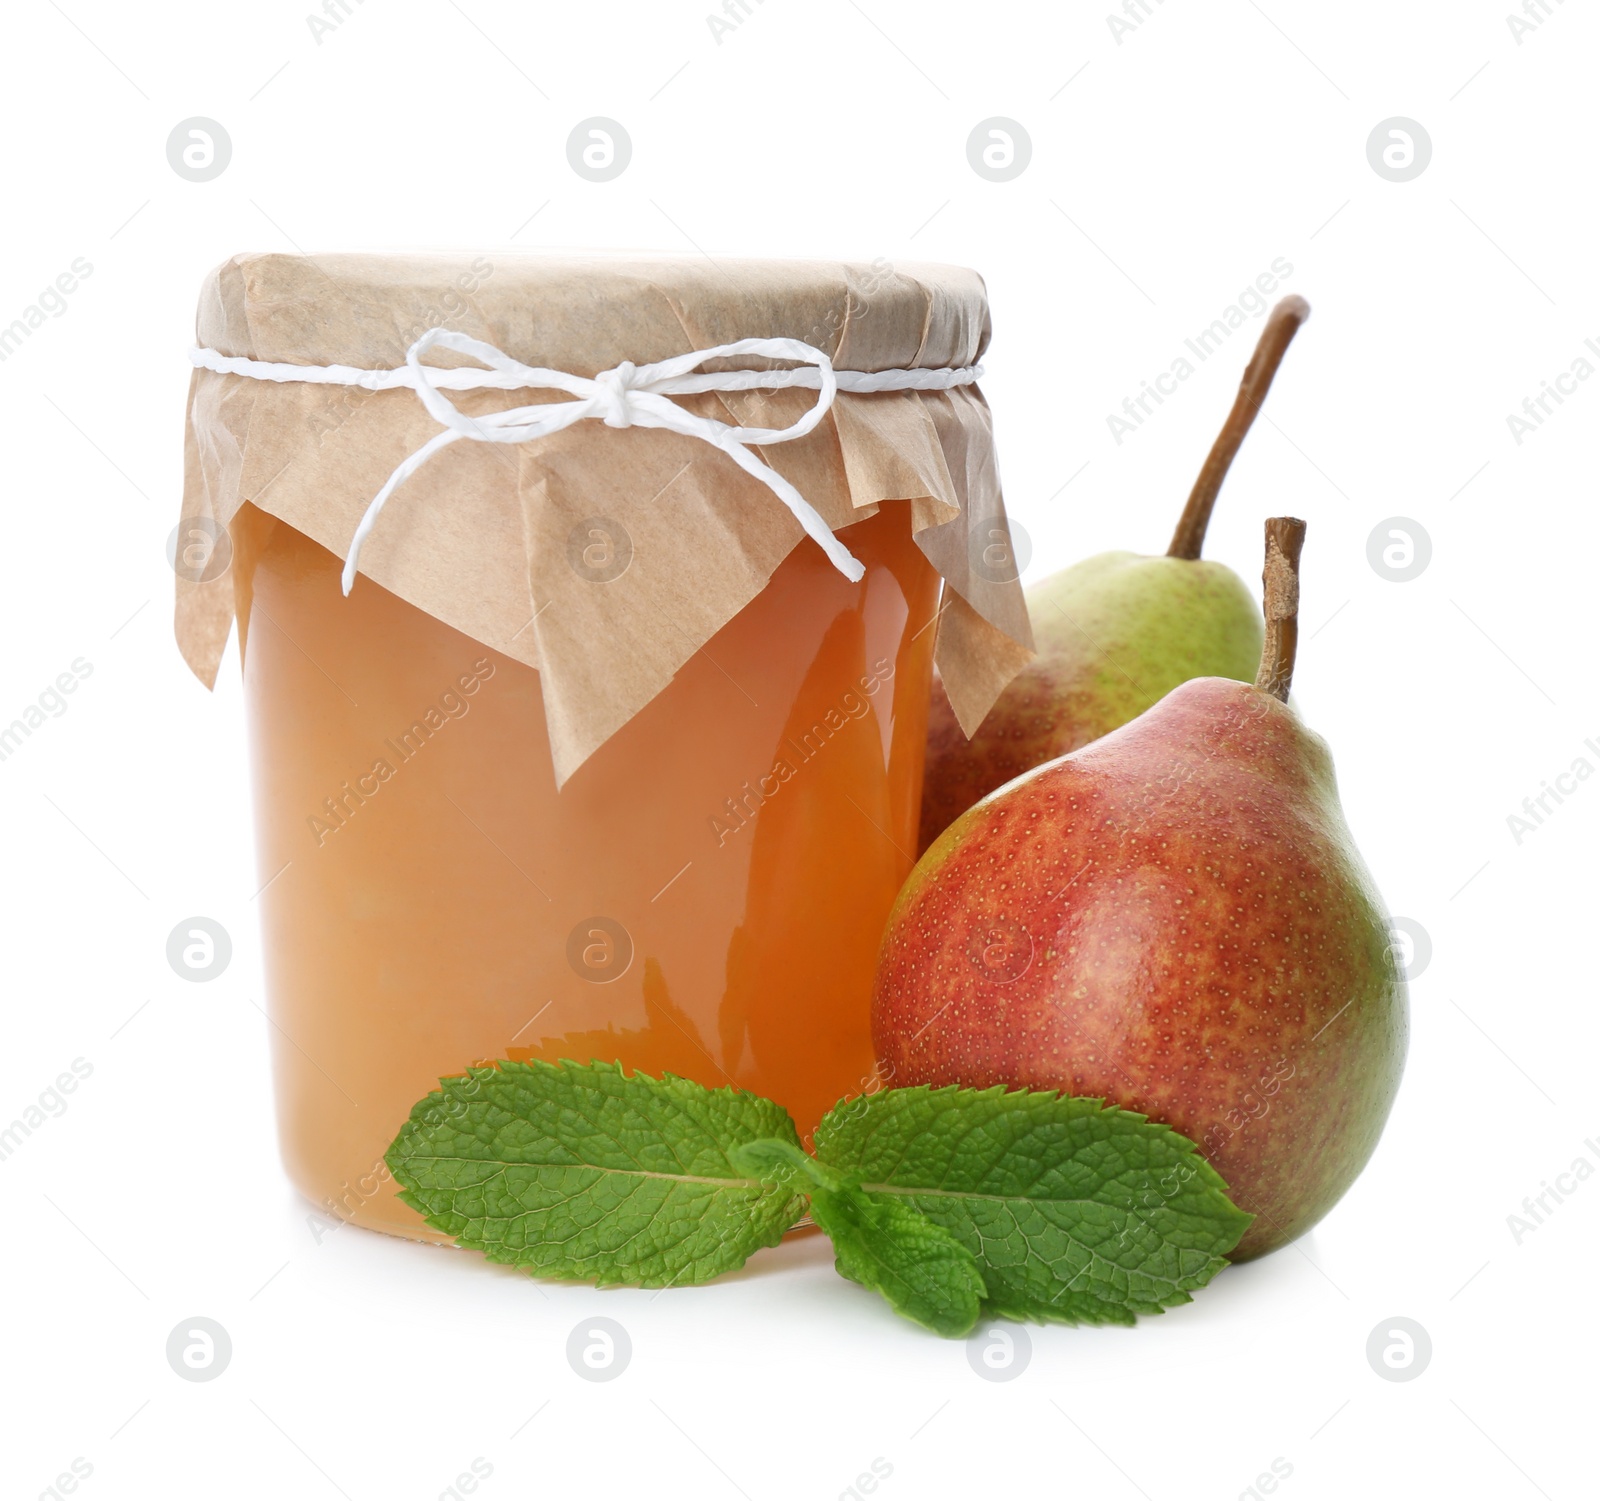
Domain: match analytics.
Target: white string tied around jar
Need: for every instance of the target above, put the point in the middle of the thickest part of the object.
(627, 395)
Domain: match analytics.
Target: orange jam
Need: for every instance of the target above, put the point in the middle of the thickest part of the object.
(705, 896)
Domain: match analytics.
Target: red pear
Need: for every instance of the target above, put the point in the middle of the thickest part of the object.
(1174, 918)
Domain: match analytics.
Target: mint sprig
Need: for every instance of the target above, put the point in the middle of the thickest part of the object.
(953, 1204)
(1077, 1212)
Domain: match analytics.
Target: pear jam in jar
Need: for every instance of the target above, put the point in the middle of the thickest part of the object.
(601, 757)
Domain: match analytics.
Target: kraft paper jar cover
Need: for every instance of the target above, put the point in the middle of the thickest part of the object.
(480, 536)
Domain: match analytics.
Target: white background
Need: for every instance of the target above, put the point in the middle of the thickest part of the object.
(1168, 170)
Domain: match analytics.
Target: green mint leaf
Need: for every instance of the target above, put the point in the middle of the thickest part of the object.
(922, 1269)
(886, 1245)
(1074, 1212)
(582, 1172)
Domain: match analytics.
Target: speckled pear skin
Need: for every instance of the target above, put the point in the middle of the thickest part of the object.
(1114, 633)
(1173, 918)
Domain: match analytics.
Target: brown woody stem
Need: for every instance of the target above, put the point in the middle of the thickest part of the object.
(1283, 322)
(1280, 588)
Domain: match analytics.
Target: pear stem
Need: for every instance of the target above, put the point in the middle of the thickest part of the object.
(1280, 587)
(1283, 322)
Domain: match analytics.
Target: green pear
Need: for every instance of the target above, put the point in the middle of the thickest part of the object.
(1115, 633)
(1174, 919)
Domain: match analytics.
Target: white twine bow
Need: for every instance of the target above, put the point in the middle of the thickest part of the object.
(627, 396)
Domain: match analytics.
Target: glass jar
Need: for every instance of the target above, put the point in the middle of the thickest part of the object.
(602, 758)
(704, 896)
